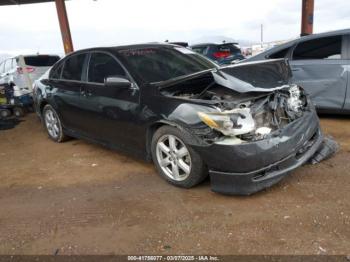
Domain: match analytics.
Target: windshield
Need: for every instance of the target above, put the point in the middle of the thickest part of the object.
(157, 64)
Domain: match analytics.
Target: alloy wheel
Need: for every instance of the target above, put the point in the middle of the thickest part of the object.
(173, 157)
(52, 124)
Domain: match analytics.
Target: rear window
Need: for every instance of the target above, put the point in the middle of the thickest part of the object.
(41, 60)
(57, 71)
(231, 48)
(73, 67)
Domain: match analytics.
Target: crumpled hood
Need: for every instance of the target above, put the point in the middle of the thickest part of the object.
(263, 76)
(240, 86)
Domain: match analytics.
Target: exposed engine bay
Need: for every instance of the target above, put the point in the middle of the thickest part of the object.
(243, 117)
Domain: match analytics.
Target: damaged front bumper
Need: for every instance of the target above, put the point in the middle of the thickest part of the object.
(246, 168)
(254, 181)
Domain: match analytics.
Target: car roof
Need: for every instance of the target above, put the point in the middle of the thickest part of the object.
(123, 47)
(313, 36)
(324, 34)
(290, 43)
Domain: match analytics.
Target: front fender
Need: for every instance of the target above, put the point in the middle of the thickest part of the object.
(186, 114)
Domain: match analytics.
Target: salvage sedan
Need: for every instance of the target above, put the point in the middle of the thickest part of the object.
(245, 125)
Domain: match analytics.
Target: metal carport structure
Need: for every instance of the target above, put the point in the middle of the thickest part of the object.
(62, 18)
(306, 18)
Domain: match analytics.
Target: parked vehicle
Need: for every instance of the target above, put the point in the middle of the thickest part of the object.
(244, 124)
(21, 71)
(318, 63)
(222, 54)
(7, 106)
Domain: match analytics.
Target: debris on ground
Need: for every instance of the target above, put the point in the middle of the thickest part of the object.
(328, 148)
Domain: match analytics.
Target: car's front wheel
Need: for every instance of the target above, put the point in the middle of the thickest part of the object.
(175, 160)
(53, 124)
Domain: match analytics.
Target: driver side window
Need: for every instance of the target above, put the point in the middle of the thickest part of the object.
(102, 66)
(320, 48)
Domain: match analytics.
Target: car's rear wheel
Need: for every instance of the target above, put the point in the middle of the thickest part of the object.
(18, 111)
(175, 160)
(53, 124)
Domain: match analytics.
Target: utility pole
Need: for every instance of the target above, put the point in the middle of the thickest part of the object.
(307, 17)
(64, 25)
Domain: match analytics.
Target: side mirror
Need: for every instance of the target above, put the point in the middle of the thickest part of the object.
(117, 81)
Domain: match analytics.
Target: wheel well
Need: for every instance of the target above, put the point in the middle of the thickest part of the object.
(149, 135)
(42, 105)
(150, 132)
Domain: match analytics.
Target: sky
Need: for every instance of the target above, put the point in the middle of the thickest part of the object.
(34, 28)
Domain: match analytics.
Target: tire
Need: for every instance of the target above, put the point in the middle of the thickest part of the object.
(53, 125)
(4, 113)
(170, 151)
(18, 111)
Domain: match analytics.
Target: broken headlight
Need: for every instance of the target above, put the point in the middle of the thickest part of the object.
(294, 102)
(233, 122)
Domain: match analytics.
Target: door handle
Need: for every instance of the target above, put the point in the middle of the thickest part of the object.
(296, 69)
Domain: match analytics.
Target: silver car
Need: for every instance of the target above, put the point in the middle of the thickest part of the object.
(21, 71)
(320, 63)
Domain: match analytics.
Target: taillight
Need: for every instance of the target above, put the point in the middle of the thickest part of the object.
(221, 54)
(27, 68)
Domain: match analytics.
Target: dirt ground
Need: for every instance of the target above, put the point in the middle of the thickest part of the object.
(80, 198)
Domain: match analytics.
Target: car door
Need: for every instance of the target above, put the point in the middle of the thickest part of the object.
(110, 113)
(319, 66)
(347, 57)
(64, 91)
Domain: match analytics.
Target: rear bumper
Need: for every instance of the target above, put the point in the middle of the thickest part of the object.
(254, 181)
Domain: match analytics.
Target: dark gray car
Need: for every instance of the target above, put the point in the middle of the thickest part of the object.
(320, 63)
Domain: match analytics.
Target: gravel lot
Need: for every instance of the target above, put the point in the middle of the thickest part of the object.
(80, 198)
